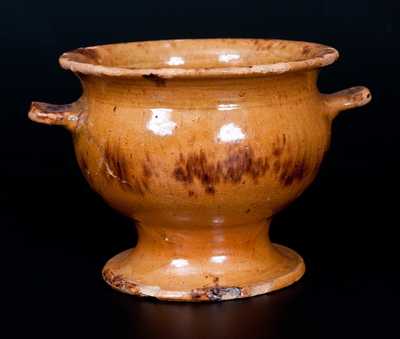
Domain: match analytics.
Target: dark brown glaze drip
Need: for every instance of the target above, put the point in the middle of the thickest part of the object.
(276, 166)
(147, 173)
(287, 169)
(159, 81)
(284, 166)
(240, 161)
(278, 146)
(298, 171)
(116, 167)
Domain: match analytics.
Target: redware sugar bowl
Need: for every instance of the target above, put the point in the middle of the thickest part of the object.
(201, 142)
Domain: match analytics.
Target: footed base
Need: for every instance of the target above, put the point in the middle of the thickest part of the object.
(219, 278)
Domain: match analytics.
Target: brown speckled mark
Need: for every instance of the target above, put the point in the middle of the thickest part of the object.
(278, 146)
(276, 166)
(217, 293)
(240, 161)
(292, 171)
(287, 170)
(159, 81)
(88, 53)
(119, 282)
(116, 167)
(264, 44)
(258, 46)
(147, 173)
(306, 50)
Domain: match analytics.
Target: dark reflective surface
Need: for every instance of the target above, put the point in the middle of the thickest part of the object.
(259, 317)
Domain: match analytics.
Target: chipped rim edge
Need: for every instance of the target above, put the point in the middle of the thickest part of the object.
(246, 291)
(328, 56)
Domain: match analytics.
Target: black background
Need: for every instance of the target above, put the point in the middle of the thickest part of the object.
(56, 234)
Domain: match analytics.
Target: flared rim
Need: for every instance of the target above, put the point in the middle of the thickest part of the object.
(306, 56)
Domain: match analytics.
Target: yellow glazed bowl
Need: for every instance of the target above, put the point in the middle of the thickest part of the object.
(201, 142)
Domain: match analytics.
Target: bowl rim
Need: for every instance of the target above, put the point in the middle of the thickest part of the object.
(322, 55)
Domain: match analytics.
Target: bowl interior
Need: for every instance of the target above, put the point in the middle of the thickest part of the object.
(199, 53)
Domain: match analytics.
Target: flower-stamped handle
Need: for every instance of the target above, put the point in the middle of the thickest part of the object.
(346, 99)
(50, 114)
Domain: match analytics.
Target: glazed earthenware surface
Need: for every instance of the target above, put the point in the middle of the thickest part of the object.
(201, 142)
(199, 58)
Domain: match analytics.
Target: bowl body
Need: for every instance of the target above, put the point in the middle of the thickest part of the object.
(199, 152)
(201, 142)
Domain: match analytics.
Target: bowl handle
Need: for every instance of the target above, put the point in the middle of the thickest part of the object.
(50, 114)
(346, 99)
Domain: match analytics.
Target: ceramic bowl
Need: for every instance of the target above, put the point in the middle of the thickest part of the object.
(201, 142)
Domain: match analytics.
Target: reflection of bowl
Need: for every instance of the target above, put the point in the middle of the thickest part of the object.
(201, 141)
(264, 317)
